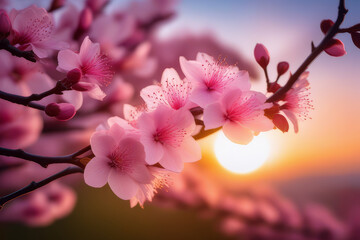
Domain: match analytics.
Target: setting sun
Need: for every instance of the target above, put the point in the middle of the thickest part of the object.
(242, 158)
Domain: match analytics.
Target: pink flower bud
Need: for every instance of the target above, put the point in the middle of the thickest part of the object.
(273, 87)
(355, 36)
(61, 111)
(280, 122)
(282, 67)
(335, 48)
(261, 55)
(74, 76)
(96, 5)
(5, 24)
(56, 4)
(326, 25)
(86, 18)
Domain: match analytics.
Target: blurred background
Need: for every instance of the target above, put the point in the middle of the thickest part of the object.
(319, 165)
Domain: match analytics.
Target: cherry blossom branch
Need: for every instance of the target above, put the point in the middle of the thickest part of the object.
(314, 53)
(29, 55)
(35, 185)
(20, 100)
(27, 101)
(43, 160)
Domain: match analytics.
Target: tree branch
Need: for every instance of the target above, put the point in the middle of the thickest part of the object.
(43, 160)
(29, 55)
(316, 51)
(35, 185)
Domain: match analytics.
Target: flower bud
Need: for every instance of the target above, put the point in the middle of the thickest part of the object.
(261, 55)
(335, 48)
(86, 18)
(61, 111)
(325, 25)
(56, 4)
(5, 24)
(96, 5)
(74, 76)
(273, 87)
(282, 67)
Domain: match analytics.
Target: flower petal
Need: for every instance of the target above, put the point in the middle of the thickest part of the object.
(190, 150)
(97, 171)
(213, 116)
(237, 133)
(122, 185)
(192, 70)
(68, 60)
(292, 118)
(171, 160)
(102, 144)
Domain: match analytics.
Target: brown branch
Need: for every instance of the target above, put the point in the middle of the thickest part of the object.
(35, 185)
(29, 55)
(315, 52)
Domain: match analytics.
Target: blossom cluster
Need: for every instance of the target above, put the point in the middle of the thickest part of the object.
(71, 63)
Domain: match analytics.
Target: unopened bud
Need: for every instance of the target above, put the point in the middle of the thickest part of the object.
(61, 111)
(325, 25)
(282, 67)
(56, 4)
(74, 76)
(96, 5)
(273, 87)
(85, 20)
(261, 55)
(5, 24)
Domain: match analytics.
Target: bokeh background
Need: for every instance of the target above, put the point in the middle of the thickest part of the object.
(319, 164)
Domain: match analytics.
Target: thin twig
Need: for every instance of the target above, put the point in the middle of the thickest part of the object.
(29, 55)
(35, 185)
(43, 160)
(316, 51)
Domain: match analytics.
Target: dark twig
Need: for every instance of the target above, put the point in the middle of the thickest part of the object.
(27, 101)
(316, 51)
(35, 185)
(43, 160)
(29, 55)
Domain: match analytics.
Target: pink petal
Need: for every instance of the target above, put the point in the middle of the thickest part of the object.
(205, 58)
(213, 116)
(170, 76)
(88, 50)
(73, 97)
(335, 48)
(141, 174)
(281, 122)
(192, 70)
(292, 118)
(231, 97)
(190, 150)
(153, 150)
(204, 97)
(241, 80)
(259, 124)
(97, 171)
(237, 133)
(151, 96)
(171, 160)
(122, 185)
(102, 144)
(97, 93)
(117, 132)
(68, 60)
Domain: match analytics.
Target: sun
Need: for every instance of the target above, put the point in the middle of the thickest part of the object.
(242, 159)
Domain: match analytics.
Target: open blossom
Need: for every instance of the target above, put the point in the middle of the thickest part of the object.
(166, 136)
(172, 91)
(94, 66)
(119, 160)
(210, 79)
(297, 101)
(240, 113)
(32, 29)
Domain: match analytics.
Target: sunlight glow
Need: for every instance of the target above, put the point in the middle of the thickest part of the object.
(242, 158)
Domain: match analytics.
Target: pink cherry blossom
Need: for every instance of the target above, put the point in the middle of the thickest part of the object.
(166, 136)
(94, 66)
(297, 101)
(119, 160)
(262, 55)
(240, 113)
(172, 91)
(210, 79)
(32, 29)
